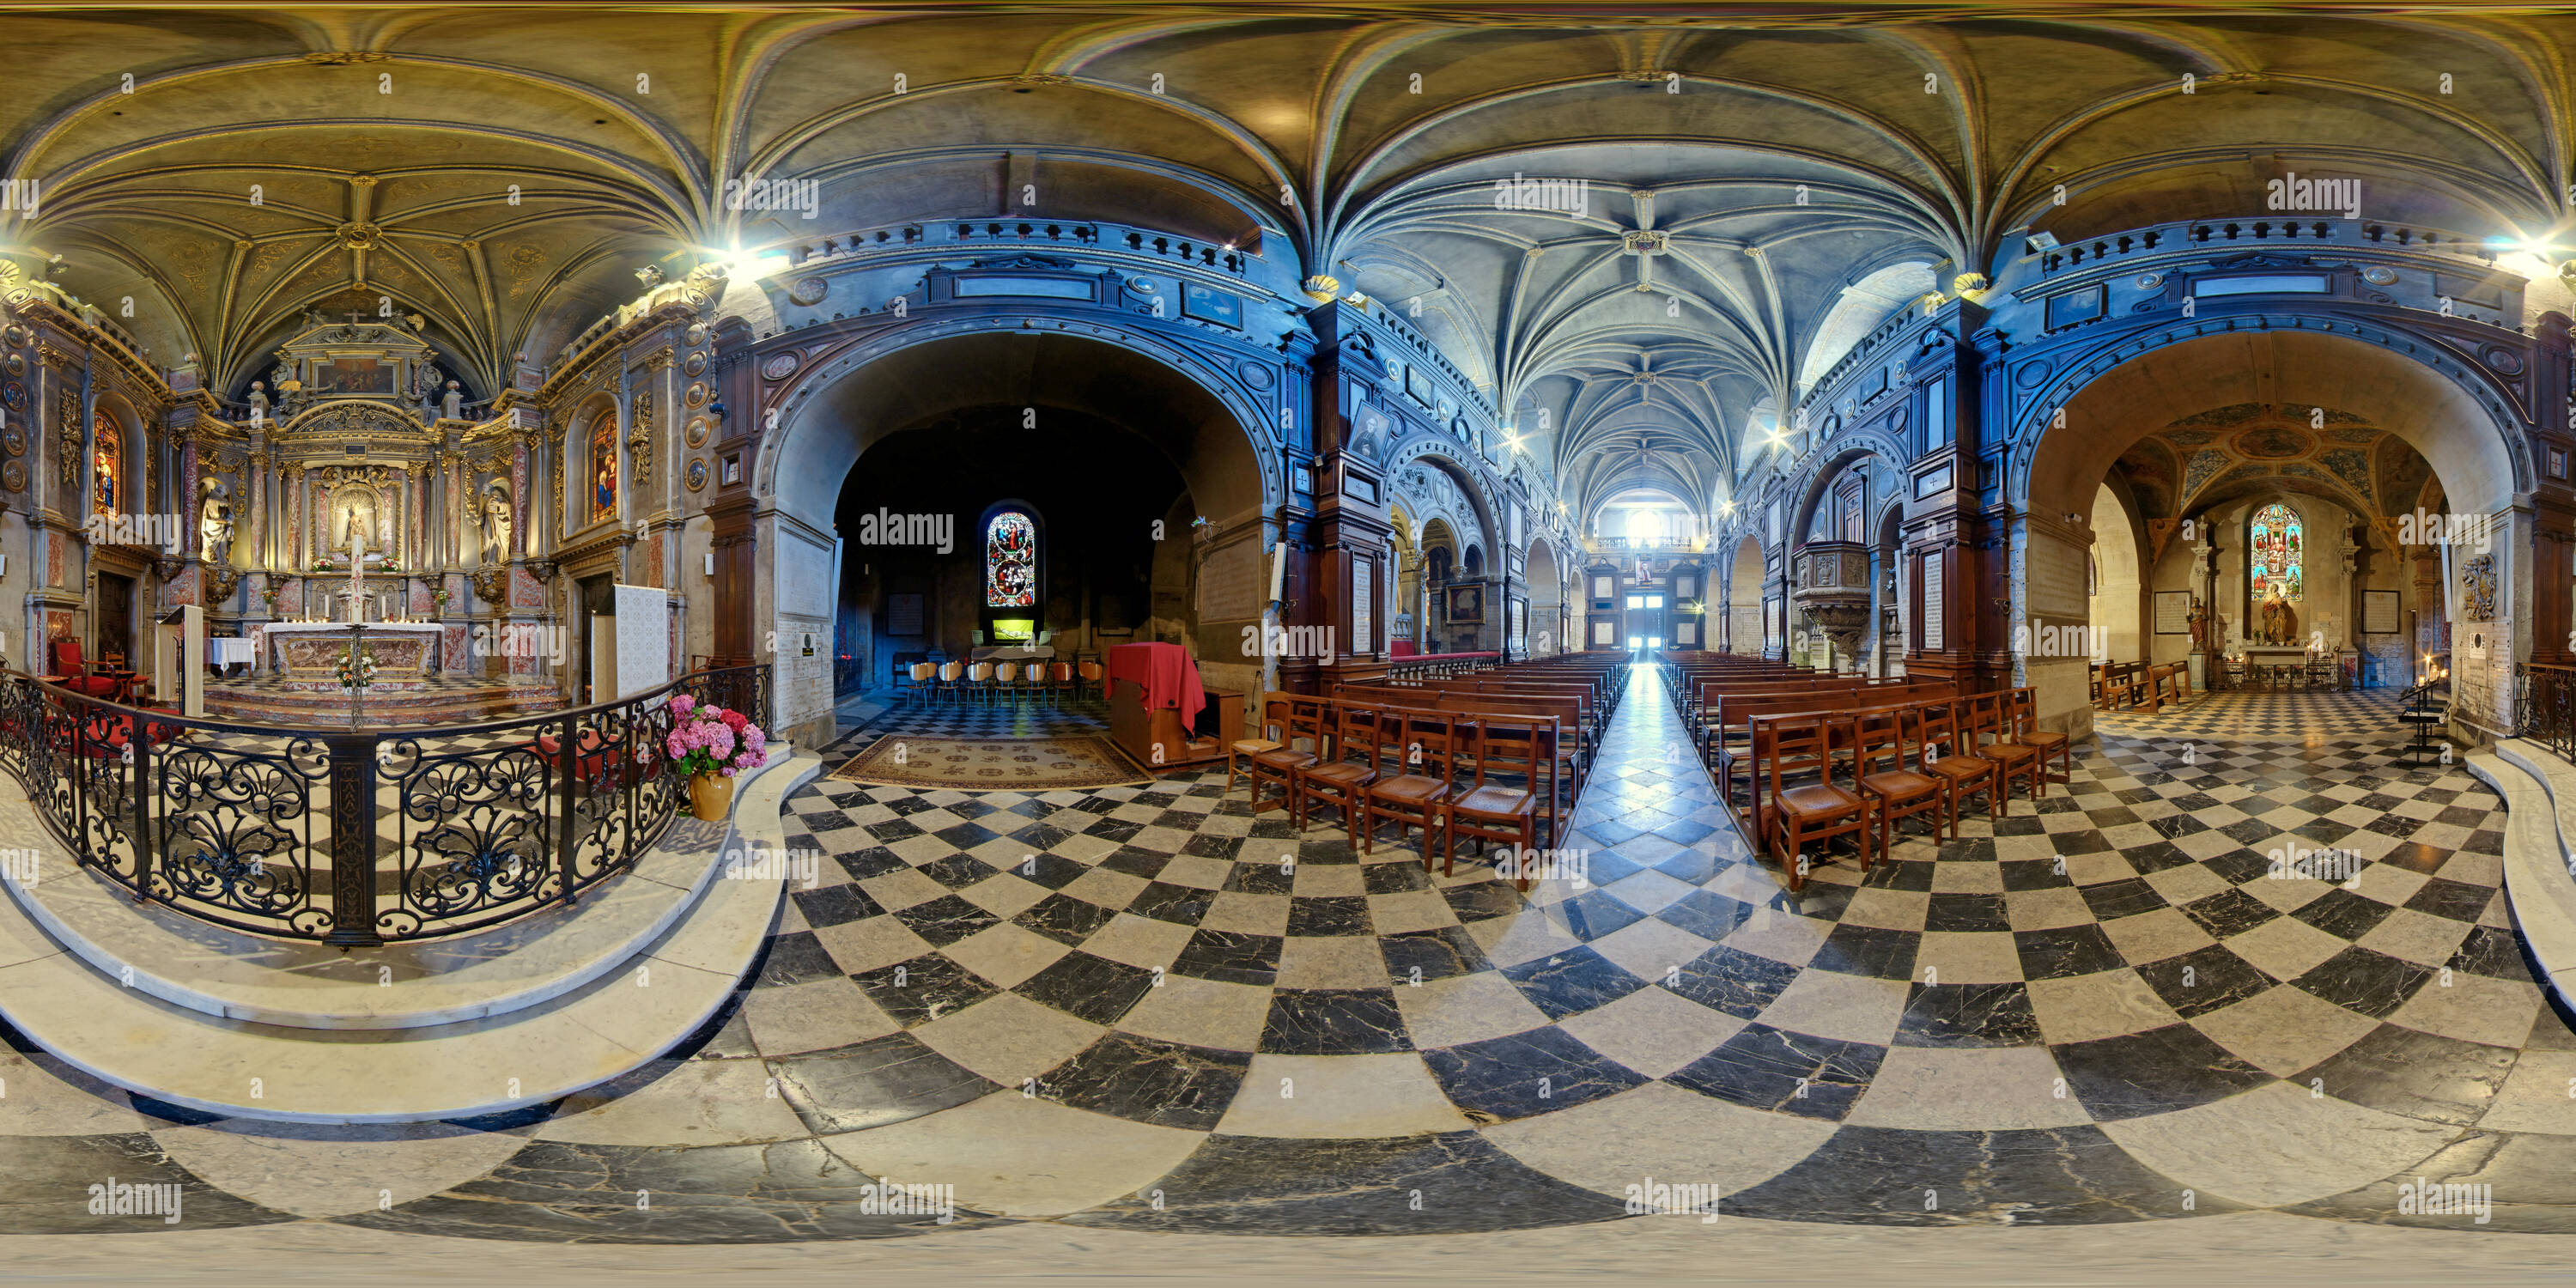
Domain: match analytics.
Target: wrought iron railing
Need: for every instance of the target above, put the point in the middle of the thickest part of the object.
(2544, 706)
(355, 837)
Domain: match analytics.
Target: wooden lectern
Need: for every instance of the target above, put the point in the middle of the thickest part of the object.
(179, 659)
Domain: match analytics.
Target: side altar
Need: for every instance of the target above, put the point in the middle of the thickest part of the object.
(308, 654)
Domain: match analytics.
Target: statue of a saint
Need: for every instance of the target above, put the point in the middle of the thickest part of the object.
(2199, 626)
(2280, 621)
(452, 406)
(214, 521)
(258, 402)
(496, 525)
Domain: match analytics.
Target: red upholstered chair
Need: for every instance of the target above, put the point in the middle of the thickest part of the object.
(71, 671)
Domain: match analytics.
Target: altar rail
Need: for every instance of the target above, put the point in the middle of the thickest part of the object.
(287, 832)
(2544, 706)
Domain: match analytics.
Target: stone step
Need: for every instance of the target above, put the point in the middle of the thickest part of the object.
(2539, 791)
(299, 983)
(616, 1022)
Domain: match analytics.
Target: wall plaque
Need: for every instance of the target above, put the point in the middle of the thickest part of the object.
(1932, 613)
(1363, 604)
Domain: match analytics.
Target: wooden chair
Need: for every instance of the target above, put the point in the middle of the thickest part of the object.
(1006, 680)
(1060, 681)
(1034, 684)
(1090, 680)
(1813, 812)
(952, 680)
(979, 681)
(1998, 723)
(1487, 811)
(1417, 757)
(2049, 742)
(1285, 718)
(1274, 715)
(1896, 793)
(923, 676)
(1962, 772)
(1335, 780)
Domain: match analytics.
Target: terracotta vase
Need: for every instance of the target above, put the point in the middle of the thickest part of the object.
(710, 797)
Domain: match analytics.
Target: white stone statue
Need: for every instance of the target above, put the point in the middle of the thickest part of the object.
(258, 403)
(496, 524)
(214, 520)
(452, 406)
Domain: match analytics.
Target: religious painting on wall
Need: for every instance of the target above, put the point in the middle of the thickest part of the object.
(1466, 603)
(107, 462)
(603, 469)
(1011, 561)
(347, 376)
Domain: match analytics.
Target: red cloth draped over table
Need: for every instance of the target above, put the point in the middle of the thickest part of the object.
(1402, 648)
(1166, 672)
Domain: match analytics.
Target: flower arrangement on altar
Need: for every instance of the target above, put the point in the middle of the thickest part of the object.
(357, 668)
(711, 745)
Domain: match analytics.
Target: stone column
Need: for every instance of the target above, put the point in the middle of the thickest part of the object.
(518, 493)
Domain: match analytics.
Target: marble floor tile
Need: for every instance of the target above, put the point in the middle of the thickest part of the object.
(2278, 1145)
(1466, 1008)
(1452, 1182)
(1891, 1176)
(44, 1097)
(2080, 1008)
(693, 1102)
(1150, 1080)
(319, 1171)
(1010, 1154)
(1655, 1032)
(1959, 1089)
(1007, 1039)
(1333, 962)
(1340, 1096)
(1663, 1132)
(1846, 1008)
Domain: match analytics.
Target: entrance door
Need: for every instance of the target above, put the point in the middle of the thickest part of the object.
(598, 596)
(115, 619)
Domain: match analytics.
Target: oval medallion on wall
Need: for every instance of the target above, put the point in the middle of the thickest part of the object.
(694, 366)
(1256, 374)
(697, 476)
(13, 440)
(697, 395)
(2031, 375)
(13, 477)
(13, 395)
(808, 290)
(698, 431)
(697, 334)
(17, 364)
(2501, 360)
(16, 336)
(779, 366)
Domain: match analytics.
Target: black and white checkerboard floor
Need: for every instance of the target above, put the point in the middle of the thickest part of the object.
(1148, 1008)
(2292, 714)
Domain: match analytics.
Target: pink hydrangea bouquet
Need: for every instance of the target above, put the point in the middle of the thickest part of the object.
(708, 739)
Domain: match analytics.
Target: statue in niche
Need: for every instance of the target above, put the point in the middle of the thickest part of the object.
(258, 402)
(496, 524)
(452, 405)
(214, 520)
(2199, 620)
(2280, 621)
(356, 516)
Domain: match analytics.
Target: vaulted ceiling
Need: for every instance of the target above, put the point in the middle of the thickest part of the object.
(504, 172)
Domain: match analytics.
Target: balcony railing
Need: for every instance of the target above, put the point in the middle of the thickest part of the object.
(354, 837)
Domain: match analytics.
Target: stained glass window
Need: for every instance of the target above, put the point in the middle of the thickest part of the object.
(2274, 546)
(1011, 561)
(108, 461)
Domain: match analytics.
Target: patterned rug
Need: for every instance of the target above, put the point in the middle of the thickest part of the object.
(1063, 763)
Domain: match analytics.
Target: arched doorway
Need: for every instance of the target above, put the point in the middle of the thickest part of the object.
(1744, 621)
(1547, 601)
(2285, 411)
(1145, 491)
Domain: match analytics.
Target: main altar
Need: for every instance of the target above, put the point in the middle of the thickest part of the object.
(306, 654)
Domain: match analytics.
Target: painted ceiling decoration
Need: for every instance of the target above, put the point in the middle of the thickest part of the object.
(2227, 454)
(1628, 231)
